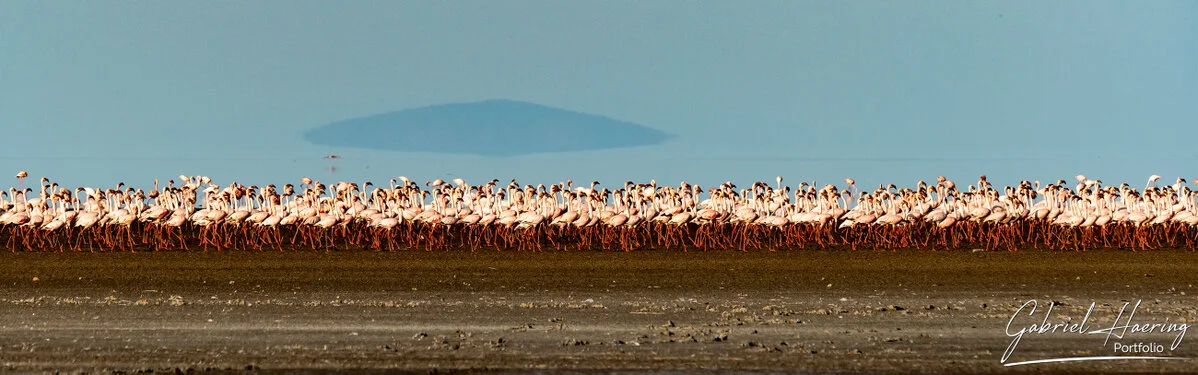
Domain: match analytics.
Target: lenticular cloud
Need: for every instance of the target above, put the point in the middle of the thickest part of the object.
(487, 128)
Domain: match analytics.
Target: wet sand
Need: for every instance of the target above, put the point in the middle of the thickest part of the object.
(802, 311)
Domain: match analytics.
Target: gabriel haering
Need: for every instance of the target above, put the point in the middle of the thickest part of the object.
(1124, 327)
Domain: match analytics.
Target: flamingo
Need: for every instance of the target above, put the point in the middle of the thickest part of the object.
(568, 208)
(1151, 181)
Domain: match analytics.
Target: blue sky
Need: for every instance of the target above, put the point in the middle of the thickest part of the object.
(97, 92)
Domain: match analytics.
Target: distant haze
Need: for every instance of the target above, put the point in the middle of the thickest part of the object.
(259, 92)
(486, 128)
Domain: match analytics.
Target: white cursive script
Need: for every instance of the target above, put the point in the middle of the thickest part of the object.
(1120, 329)
(1179, 328)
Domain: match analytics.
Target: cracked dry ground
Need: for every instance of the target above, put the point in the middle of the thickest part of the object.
(809, 311)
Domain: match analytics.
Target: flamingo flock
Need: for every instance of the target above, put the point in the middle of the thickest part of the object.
(200, 214)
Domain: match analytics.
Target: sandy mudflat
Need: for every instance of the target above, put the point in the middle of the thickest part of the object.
(806, 311)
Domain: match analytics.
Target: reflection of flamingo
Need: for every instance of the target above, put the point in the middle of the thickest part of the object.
(853, 184)
(21, 179)
(332, 157)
